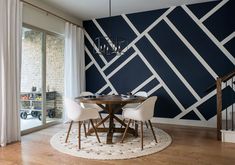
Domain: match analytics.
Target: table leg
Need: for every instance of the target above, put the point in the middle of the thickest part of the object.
(112, 109)
(97, 125)
(111, 126)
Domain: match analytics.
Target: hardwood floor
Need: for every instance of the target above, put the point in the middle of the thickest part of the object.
(191, 145)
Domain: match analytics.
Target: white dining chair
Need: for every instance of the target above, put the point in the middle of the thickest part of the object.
(141, 93)
(134, 105)
(143, 112)
(76, 113)
(88, 105)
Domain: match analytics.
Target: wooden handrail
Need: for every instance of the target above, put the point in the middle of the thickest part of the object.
(228, 76)
(223, 79)
(219, 106)
(219, 100)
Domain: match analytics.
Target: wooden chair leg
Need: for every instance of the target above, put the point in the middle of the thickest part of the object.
(79, 135)
(68, 131)
(146, 124)
(133, 122)
(101, 119)
(88, 125)
(92, 124)
(152, 131)
(84, 126)
(136, 129)
(142, 136)
(123, 122)
(126, 130)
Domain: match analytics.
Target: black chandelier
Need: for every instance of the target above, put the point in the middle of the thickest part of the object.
(110, 45)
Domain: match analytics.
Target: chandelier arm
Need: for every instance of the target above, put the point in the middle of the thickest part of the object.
(110, 45)
(110, 8)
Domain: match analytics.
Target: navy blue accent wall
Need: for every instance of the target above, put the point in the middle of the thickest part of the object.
(128, 77)
(224, 18)
(208, 108)
(202, 9)
(182, 58)
(174, 53)
(200, 40)
(191, 116)
(144, 19)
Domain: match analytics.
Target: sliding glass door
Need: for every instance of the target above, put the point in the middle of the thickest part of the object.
(42, 78)
(31, 79)
(54, 77)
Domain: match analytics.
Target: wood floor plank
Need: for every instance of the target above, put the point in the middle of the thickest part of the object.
(191, 145)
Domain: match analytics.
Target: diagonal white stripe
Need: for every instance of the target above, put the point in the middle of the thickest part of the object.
(227, 39)
(154, 89)
(99, 27)
(191, 48)
(142, 34)
(109, 41)
(121, 65)
(94, 46)
(212, 11)
(143, 84)
(171, 65)
(202, 118)
(102, 89)
(195, 105)
(159, 79)
(89, 65)
(101, 72)
(204, 99)
(130, 24)
(209, 34)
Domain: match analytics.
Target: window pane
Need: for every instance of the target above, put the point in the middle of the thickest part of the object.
(54, 76)
(31, 79)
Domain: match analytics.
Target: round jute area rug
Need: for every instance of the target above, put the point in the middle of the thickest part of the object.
(91, 149)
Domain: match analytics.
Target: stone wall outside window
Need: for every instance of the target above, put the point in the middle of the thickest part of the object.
(31, 72)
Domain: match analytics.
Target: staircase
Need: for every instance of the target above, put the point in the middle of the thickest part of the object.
(226, 108)
(228, 134)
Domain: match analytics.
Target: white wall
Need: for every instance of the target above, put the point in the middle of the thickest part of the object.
(41, 19)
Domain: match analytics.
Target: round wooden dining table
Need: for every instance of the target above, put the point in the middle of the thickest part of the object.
(112, 104)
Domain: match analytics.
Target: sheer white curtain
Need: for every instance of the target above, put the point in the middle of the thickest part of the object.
(10, 59)
(74, 61)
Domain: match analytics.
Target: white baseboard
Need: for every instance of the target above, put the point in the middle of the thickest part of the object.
(228, 136)
(184, 122)
(211, 123)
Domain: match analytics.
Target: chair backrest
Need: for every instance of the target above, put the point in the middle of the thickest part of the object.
(88, 105)
(147, 108)
(86, 93)
(73, 109)
(141, 93)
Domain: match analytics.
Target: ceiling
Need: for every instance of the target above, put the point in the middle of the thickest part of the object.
(88, 9)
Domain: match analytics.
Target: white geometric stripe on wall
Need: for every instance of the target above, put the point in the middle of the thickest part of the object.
(196, 109)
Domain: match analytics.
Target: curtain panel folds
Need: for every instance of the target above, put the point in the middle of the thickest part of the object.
(10, 65)
(74, 61)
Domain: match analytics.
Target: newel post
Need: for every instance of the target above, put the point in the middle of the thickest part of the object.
(219, 106)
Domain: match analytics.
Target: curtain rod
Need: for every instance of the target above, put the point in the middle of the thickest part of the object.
(51, 13)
